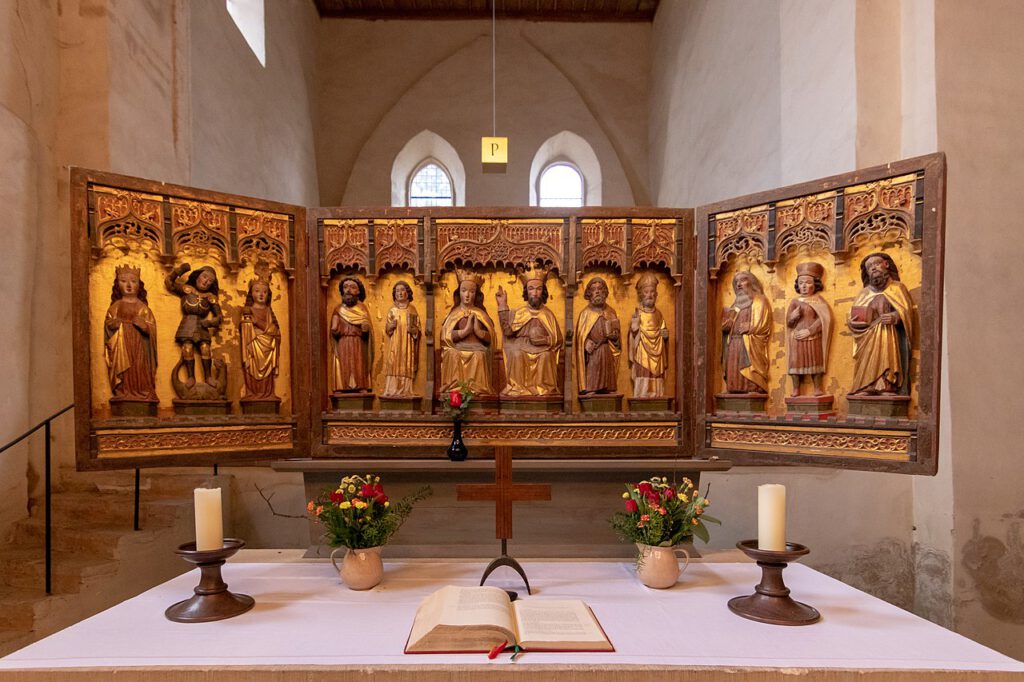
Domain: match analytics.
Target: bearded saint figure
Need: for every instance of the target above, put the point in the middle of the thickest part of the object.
(597, 356)
(746, 327)
(350, 331)
(533, 339)
(882, 325)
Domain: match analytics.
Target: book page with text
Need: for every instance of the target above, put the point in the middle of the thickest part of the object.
(565, 624)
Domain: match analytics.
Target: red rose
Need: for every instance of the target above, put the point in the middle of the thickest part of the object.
(380, 498)
(653, 497)
(631, 506)
(367, 490)
(455, 399)
(645, 488)
(336, 497)
(669, 493)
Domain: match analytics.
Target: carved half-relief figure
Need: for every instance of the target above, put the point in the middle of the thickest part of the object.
(882, 325)
(200, 313)
(746, 327)
(467, 339)
(402, 344)
(809, 325)
(350, 333)
(648, 342)
(129, 334)
(261, 341)
(598, 346)
(533, 339)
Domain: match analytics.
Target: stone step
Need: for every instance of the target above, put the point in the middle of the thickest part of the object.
(18, 607)
(76, 510)
(152, 485)
(26, 569)
(98, 540)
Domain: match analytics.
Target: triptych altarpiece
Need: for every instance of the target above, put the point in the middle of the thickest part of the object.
(796, 326)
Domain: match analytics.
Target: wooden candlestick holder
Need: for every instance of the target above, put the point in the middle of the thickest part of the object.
(771, 602)
(211, 601)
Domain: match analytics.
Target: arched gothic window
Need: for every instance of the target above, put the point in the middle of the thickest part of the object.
(560, 184)
(424, 150)
(431, 185)
(572, 165)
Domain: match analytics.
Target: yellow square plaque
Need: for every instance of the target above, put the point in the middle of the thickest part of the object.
(494, 149)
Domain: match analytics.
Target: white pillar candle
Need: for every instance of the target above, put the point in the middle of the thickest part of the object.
(209, 521)
(771, 517)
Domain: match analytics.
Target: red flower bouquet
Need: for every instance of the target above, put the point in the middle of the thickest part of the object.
(662, 515)
(357, 514)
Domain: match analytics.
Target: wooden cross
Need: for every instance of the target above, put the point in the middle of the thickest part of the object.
(503, 493)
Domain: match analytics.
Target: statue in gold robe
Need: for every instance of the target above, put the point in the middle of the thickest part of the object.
(881, 321)
(598, 346)
(809, 324)
(129, 335)
(261, 341)
(350, 332)
(648, 342)
(402, 345)
(533, 339)
(467, 339)
(746, 328)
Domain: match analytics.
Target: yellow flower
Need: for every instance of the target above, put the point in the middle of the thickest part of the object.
(387, 504)
(345, 505)
(351, 488)
(707, 502)
(376, 479)
(625, 496)
(359, 504)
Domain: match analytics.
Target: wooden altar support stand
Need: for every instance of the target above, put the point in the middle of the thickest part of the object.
(503, 493)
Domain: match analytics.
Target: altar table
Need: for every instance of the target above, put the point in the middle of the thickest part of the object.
(307, 625)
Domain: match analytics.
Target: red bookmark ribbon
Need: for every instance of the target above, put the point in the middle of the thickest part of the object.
(497, 650)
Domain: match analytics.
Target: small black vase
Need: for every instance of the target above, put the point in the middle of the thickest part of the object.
(457, 451)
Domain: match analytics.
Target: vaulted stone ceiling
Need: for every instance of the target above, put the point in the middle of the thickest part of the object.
(536, 10)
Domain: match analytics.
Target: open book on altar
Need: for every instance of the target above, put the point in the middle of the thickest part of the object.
(478, 619)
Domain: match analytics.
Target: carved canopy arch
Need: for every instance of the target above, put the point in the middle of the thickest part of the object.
(500, 243)
(806, 221)
(264, 237)
(199, 228)
(346, 246)
(128, 219)
(604, 244)
(882, 210)
(654, 244)
(396, 244)
(742, 233)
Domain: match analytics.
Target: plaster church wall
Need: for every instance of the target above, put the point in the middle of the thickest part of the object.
(383, 82)
(743, 106)
(29, 74)
(872, 82)
(126, 86)
(980, 103)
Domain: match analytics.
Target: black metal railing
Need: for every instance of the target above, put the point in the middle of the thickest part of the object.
(45, 425)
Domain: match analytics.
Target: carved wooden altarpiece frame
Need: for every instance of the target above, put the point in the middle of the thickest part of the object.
(896, 208)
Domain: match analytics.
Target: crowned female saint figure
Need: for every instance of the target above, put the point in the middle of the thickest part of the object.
(467, 339)
(401, 345)
(129, 335)
(261, 342)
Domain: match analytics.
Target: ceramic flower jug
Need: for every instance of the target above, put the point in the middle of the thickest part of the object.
(361, 569)
(658, 567)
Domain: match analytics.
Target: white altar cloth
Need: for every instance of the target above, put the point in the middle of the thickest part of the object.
(304, 616)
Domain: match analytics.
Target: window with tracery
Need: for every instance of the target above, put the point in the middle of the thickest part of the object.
(431, 186)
